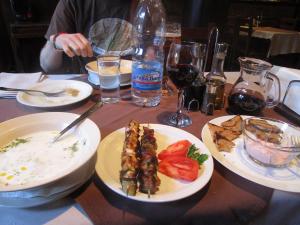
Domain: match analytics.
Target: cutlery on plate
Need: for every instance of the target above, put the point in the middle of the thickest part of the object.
(48, 94)
(79, 119)
(296, 142)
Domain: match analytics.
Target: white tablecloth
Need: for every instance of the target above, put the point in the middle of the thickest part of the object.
(281, 41)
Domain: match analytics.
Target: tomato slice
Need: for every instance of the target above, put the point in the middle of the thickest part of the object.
(179, 148)
(179, 167)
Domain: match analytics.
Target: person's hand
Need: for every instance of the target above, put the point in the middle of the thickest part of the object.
(74, 44)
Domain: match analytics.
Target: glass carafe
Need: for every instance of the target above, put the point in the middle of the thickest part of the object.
(255, 89)
(215, 81)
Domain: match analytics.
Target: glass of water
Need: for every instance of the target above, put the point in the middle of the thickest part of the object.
(109, 77)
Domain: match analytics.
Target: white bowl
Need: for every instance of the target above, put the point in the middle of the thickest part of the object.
(46, 187)
(125, 70)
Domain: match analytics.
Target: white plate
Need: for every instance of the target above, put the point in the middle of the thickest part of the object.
(125, 70)
(42, 101)
(87, 132)
(286, 179)
(108, 165)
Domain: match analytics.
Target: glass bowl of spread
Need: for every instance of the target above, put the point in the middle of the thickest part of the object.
(270, 142)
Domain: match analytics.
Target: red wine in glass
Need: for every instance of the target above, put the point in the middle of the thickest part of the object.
(182, 68)
(182, 75)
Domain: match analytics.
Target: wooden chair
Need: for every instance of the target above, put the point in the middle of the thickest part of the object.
(241, 29)
(265, 21)
(288, 23)
(198, 34)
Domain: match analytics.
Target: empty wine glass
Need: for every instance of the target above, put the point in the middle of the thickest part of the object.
(182, 66)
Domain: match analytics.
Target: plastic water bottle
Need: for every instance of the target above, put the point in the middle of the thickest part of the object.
(148, 41)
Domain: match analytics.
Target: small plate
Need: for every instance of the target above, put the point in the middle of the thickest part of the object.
(108, 165)
(42, 101)
(238, 161)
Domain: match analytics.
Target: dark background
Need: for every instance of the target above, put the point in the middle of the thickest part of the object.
(191, 13)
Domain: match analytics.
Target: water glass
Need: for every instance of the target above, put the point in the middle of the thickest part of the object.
(109, 77)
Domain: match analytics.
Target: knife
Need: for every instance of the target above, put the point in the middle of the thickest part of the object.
(87, 113)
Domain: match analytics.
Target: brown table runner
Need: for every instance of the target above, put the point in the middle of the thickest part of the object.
(226, 199)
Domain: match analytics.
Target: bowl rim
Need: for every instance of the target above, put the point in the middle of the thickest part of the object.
(89, 69)
(287, 149)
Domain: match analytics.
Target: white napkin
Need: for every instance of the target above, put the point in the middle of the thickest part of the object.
(17, 80)
(286, 75)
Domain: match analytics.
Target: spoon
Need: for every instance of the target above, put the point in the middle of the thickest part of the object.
(48, 94)
(79, 119)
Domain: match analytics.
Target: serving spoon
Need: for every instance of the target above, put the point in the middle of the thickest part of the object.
(48, 94)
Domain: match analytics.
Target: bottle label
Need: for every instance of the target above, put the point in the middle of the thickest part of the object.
(147, 76)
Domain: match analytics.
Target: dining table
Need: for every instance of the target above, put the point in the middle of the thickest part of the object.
(226, 199)
(282, 41)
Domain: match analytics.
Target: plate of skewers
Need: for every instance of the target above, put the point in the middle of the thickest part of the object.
(153, 162)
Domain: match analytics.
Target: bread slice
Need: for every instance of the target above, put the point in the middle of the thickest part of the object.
(264, 126)
(222, 137)
(223, 132)
(264, 135)
(223, 144)
(234, 124)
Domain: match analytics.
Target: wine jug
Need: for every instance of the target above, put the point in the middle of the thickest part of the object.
(255, 89)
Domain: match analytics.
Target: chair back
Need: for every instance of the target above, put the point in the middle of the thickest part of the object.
(244, 31)
(238, 33)
(198, 34)
(288, 23)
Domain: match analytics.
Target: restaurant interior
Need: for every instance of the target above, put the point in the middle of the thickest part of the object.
(23, 35)
(96, 154)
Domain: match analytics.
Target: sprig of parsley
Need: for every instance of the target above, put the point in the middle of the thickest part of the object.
(194, 154)
(14, 144)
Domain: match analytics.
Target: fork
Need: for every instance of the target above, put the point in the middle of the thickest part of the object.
(295, 141)
(48, 94)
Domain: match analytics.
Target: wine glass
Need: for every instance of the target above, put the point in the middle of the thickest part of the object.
(173, 34)
(182, 69)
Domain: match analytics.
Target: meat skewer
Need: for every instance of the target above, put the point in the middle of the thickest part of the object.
(148, 179)
(129, 159)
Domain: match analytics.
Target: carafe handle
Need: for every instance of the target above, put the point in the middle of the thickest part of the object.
(273, 90)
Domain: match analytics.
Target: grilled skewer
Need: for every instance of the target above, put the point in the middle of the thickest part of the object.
(129, 159)
(148, 179)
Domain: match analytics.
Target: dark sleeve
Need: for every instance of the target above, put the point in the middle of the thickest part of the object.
(63, 19)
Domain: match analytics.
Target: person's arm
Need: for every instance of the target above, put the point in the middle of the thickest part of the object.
(62, 34)
(51, 58)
